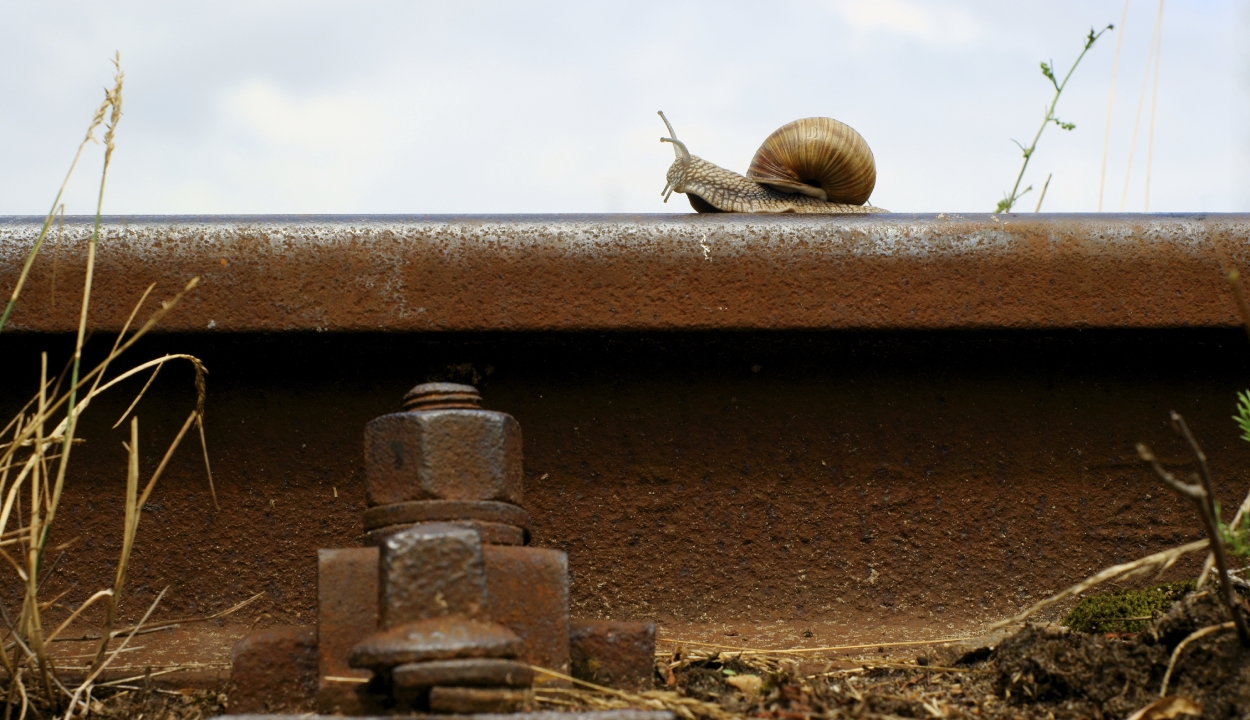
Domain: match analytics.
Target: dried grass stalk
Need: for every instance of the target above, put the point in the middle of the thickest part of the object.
(1157, 562)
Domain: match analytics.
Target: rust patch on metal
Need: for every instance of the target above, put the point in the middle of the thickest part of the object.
(347, 611)
(527, 591)
(613, 653)
(469, 700)
(835, 481)
(487, 672)
(274, 670)
(832, 480)
(431, 570)
(448, 637)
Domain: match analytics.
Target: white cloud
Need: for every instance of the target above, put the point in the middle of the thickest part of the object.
(324, 121)
(306, 152)
(935, 23)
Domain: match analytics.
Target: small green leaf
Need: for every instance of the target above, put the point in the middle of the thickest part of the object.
(1237, 538)
(1242, 418)
(728, 672)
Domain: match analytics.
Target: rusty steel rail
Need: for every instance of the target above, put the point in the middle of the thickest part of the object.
(640, 272)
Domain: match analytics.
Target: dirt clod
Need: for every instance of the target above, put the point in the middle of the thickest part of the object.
(1119, 676)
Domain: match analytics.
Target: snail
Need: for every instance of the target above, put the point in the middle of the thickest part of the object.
(813, 165)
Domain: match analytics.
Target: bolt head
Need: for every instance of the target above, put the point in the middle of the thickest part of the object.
(430, 570)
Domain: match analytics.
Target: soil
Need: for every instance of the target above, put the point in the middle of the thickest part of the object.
(1041, 671)
(160, 705)
(1111, 675)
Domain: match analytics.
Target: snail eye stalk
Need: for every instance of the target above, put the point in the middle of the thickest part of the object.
(679, 148)
(672, 133)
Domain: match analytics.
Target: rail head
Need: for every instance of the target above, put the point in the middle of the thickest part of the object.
(639, 272)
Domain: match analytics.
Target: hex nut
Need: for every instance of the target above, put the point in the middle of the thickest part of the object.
(456, 454)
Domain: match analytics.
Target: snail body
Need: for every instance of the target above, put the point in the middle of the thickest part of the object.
(814, 165)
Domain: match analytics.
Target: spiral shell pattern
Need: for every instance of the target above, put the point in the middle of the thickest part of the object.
(819, 157)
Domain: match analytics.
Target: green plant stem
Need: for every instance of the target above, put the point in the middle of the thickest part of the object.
(1010, 201)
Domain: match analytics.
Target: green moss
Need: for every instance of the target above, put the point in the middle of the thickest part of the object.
(1111, 611)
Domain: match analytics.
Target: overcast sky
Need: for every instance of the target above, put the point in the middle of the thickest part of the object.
(411, 107)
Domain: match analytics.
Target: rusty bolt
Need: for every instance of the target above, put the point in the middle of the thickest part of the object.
(443, 447)
(430, 570)
(442, 396)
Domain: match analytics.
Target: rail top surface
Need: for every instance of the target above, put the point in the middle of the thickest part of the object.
(636, 272)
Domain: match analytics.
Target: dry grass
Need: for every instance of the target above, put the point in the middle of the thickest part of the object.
(34, 459)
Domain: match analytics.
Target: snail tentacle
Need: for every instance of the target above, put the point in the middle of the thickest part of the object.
(679, 147)
(671, 132)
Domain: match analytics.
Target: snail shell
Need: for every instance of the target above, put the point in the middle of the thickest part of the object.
(814, 165)
(817, 156)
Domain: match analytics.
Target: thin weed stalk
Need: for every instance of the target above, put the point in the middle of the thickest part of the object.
(133, 503)
(1008, 202)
